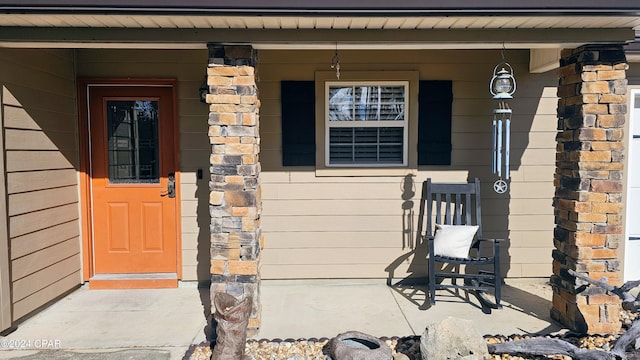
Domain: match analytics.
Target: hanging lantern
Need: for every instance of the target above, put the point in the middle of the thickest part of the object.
(503, 84)
(502, 87)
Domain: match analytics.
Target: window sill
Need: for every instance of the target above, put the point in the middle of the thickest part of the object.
(362, 172)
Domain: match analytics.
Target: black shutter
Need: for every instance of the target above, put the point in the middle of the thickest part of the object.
(434, 122)
(298, 101)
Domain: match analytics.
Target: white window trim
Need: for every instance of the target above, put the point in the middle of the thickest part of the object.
(374, 124)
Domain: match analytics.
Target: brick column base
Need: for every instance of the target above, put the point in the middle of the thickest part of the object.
(235, 198)
(588, 180)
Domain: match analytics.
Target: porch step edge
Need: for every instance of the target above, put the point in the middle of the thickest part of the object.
(134, 281)
(134, 276)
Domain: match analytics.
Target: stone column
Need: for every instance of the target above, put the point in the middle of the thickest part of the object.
(588, 181)
(235, 199)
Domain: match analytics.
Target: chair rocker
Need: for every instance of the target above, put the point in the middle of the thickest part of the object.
(459, 204)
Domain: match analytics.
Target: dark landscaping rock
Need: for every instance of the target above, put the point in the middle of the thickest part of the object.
(410, 347)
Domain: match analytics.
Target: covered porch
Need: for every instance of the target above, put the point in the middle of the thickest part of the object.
(246, 212)
(137, 323)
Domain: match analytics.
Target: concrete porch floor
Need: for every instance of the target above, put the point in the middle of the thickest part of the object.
(165, 323)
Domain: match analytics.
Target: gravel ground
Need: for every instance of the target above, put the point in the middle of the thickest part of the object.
(312, 349)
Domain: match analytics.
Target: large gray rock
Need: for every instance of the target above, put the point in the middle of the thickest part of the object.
(354, 345)
(453, 339)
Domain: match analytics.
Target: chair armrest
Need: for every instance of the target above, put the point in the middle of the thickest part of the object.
(495, 244)
(428, 239)
(491, 240)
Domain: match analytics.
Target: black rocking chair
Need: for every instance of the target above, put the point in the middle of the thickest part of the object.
(459, 204)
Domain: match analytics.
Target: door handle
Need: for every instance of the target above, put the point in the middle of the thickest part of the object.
(171, 186)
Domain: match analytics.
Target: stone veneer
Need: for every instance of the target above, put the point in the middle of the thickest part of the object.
(235, 199)
(588, 181)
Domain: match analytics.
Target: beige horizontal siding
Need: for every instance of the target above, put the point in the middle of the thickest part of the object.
(528, 255)
(44, 238)
(36, 160)
(188, 67)
(19, 118)
(51, 291)
(330, 256)
(536, 173)
(379, 191)
(522, 206)
(527, 238)
(332, 223)
(334, 271)
(39, 180)
(28, 264)
(342, 207)
(399, 238)
(357, 226)
(333, 239)
(191, 273)
(40, 128)
(42, 199)
(32, 140)
(42, 219)
(534, 270)
(32, 283)
(328, 191)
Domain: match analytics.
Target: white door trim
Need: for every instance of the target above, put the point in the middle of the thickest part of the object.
(632, 247)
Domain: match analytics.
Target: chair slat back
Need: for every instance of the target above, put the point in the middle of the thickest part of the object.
(451, 204)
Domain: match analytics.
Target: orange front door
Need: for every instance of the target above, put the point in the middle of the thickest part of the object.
(133, 183)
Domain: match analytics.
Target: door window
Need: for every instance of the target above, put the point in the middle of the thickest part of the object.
(133, 141)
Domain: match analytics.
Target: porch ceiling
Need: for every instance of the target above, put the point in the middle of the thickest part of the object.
(25, 26)
(389, 22)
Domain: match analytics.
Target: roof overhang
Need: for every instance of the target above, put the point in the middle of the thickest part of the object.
(311, 38)
(330, 7)
(312, 24)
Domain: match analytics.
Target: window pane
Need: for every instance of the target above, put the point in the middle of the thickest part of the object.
(366, 103)
(341, 136)
(365, 154)
(389, 154)
(133, 141)
(391, 135)
(341, 103)
(366, 145)
(375, 103)
(366, 135)
(367, 107)
(341, 154)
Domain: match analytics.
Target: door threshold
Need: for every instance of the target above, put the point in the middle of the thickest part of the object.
(134, 281)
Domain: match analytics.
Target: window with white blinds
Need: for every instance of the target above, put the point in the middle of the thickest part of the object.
(366, 123)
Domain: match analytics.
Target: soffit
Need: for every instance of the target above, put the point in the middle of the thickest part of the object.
(312, 31)
(174, 21)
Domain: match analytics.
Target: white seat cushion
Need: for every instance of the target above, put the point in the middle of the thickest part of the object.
(453, 240)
